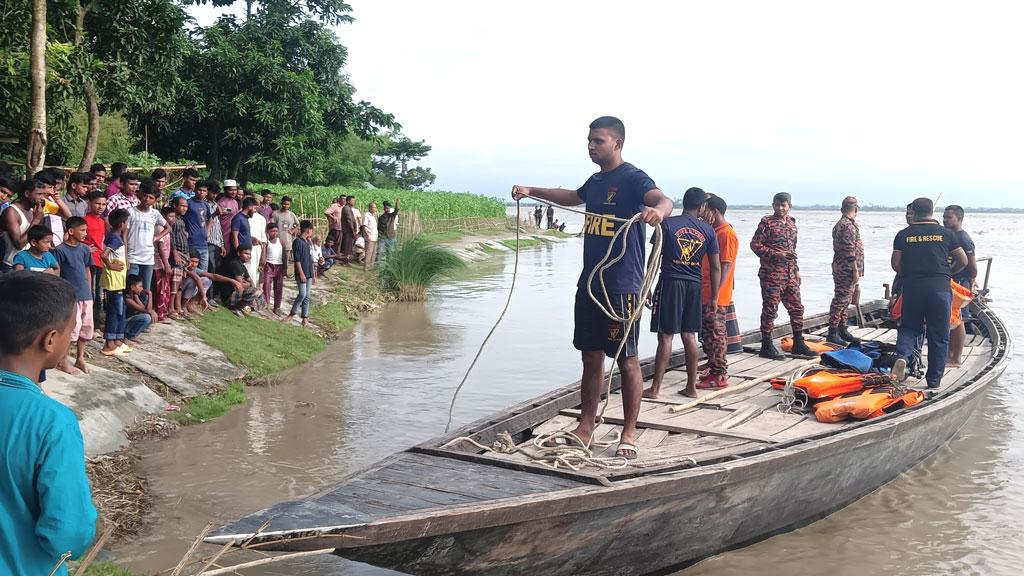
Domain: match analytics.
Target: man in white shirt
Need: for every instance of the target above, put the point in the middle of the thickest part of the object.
(143, 222)
(370, 233)
(258, 231)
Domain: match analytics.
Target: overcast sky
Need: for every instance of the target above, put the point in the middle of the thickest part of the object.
(883, 100)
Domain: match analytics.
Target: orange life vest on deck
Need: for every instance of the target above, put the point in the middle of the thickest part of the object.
(961, 297)
(825, 384)
(869, 404)
(816, 346)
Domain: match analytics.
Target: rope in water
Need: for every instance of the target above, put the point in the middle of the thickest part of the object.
(567, 454)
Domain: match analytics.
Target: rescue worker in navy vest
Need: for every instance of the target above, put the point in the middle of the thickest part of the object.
(847, 268)
(620, 190)
(921, 254)
(774, 243)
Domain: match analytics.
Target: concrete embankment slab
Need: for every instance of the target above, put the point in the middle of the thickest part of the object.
(105, 401)
(175, 354)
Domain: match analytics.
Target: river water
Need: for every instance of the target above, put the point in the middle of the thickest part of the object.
(386, 385)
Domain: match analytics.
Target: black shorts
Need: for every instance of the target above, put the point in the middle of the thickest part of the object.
(595, 331)
(677, 307)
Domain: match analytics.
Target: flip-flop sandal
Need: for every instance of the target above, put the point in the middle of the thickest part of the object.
(627, 447)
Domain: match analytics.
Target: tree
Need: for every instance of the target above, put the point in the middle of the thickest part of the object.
(36, 148)
(392, 164)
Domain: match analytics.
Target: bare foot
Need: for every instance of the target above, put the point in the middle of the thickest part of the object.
(65, 367)
(584, 435)
(287, 319)
(952, 363)
(305, 323)
(650, 393)
(690, 391)
(81, 365)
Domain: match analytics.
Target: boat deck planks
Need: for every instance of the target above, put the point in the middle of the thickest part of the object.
(732, 423)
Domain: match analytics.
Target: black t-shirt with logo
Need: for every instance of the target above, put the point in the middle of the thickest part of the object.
(927, 249)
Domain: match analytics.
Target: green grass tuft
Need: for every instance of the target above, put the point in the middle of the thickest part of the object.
(206, 408)
(264, 347)
(108, 568)
(524, 243)
(332, 316)
(416, 264)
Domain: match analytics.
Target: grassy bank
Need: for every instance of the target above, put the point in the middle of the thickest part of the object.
(205, 408)
(263, 347)
(430, 205)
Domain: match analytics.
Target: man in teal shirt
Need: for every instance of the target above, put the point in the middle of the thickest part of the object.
(46, 509)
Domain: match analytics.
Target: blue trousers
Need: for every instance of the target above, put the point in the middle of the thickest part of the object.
(921, 306)
(302, 300)
(145, 271)
(114, 311)
(136, 324)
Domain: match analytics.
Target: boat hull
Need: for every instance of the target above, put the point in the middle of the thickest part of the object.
(730, 506)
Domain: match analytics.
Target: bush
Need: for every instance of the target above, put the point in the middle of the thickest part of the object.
(414, 265)
(430, 205)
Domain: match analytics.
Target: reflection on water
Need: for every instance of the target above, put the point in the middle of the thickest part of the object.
(386, 385)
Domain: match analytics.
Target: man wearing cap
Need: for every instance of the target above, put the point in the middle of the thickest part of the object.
(228, 207)
(847, 268)
(387, 226)
(774, 243)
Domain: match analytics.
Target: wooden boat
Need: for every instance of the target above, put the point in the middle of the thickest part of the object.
(723, 475)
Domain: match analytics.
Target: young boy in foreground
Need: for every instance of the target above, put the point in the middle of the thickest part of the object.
(46, 509)
(37, 258)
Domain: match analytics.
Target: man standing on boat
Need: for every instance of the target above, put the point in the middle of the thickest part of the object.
(619, 190)
(714, 326)
(953, 218)
(921, 254)
(677, 299)
(774, 243)
(847, 268)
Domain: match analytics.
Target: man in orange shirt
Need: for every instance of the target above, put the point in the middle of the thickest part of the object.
(714, 337)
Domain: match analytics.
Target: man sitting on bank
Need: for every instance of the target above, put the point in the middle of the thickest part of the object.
(677, 299)
(620, 190)
(921, 255)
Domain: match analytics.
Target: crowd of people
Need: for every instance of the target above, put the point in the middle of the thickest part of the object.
(138, 253)
(694, 289)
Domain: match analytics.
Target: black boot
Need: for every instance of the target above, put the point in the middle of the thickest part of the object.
(834, 337)
(800, 347)
(768, 349)
(844, 333)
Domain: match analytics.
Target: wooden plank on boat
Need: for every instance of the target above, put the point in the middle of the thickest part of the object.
(501, 462)
(674, 427)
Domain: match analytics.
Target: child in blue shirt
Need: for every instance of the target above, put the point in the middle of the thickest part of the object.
(46, 510)
(37, 257)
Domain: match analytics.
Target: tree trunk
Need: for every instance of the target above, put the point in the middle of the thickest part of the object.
(36, 150)
(92, 105)
(92, 134)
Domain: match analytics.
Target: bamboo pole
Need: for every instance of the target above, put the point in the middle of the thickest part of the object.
(742, 387)
(262, 561)
(191, 550)
(93, 550)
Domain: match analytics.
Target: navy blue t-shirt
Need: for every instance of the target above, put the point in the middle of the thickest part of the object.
(73, 262)
(302, 256)
(686, 241)
(618, 193)
(968, 245)
(195, 219)
(240, 224)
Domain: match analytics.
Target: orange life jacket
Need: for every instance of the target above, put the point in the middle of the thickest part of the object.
(825, 384)
(869, 404)
(816, 346)
(961, 297)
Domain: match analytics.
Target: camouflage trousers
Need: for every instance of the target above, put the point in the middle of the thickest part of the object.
(714, 339)
(842, 298)
(780, 285)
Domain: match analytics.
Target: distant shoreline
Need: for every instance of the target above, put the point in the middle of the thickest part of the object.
(835, 208)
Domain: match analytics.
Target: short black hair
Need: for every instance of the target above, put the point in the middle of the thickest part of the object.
(75, 222)
(612, 124)
(783, 197)
(37, 232)
(158, 173)
(305, 225)
(6, 182)
(271, 226)
(266, 192)
(849, 203)
(56, 173)
(286, 199)
(717, 203)
(132, 280)
(956, 209)
(46, 177)
(97, 167)
(117, 218)
(30, 185)
(118, 168)
(693, 198)
(145, 187)
(32, 304)
(190, 172)
(923, 208)
(194, 254)
(350, 196)
(243, 247)
(175, 200)
(79, 178)
(201, 184)
(249, 201)
(126, 177)
(94, 195)
(167, 211)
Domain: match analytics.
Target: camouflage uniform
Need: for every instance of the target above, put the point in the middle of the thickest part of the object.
(714, 339)
(775, 243)
(849, 251)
